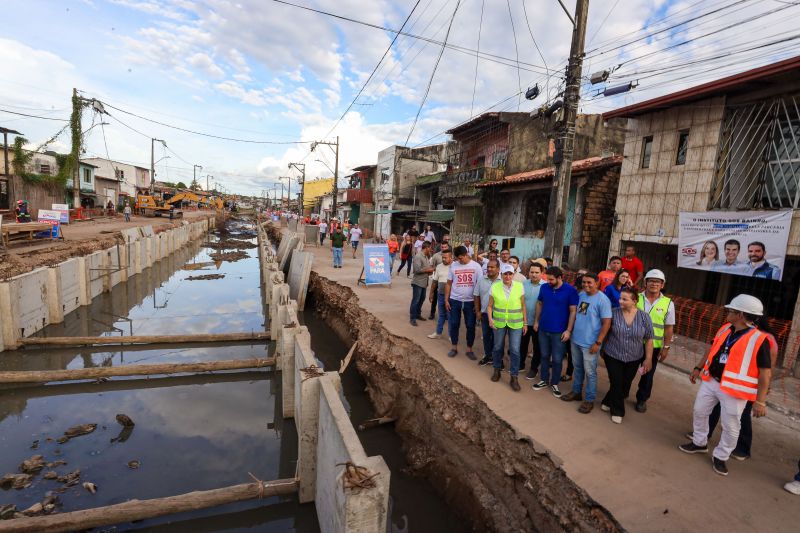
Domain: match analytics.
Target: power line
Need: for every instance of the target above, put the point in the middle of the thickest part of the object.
(433, 73)
(33, 116)
(516, 50)
(477, 59)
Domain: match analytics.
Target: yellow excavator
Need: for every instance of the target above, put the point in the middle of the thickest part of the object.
(149, 206)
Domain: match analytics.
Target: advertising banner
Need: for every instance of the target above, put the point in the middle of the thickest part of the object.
(742, 243)
(64, 210)
(49, 216)
(377, 269)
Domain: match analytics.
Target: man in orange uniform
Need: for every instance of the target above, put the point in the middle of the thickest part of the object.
(736, 370)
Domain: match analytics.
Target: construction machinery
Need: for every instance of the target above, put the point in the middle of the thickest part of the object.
(150, 206)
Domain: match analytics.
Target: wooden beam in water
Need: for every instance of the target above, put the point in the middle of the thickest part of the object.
(145, 339)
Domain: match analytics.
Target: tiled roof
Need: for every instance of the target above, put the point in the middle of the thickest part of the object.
(582, 165)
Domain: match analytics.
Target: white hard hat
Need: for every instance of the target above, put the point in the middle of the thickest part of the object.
(747, 304)
(655, 274)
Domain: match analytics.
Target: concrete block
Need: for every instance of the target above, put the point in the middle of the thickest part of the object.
(28, 306)
(84, 296)
(299, 273)
(136, 258)
(94, 265)
(66, 282)
(113, 263)
(282, 247)
(293, 242)
(146, 252)
(343, 509)
(131, 234)
(306, 406)
(54, 309)
(311, 234)
(280, 296)
(287, 367)
(146, 231)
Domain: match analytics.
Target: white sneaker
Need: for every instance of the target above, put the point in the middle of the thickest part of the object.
(604, 407)
(793, 487)
(434, 336)
(616, 419)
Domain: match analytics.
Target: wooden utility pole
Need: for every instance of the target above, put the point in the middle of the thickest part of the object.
(77, 109)
(335, 148)
(559, 196)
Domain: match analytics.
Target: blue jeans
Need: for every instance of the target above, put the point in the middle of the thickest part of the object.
(514, 340)
(443, 314)
(552, 356)
(337, 256)
(585, 364)
(417, 298)
(391, 263)
(488, 337)
(456, 308)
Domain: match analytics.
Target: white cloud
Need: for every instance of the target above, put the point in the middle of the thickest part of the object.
(205, 64)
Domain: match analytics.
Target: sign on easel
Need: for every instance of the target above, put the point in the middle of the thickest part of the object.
(376, 269)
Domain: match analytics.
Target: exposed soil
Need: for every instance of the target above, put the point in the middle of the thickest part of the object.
(231, 244)
(205, 277)
(229, 256)
(498, 479)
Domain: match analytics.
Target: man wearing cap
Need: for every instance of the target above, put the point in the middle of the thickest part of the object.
(507, 318)
(736, 370)
(662, 314)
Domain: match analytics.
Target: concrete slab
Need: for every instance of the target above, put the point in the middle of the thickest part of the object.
(68, 288)
(146, 231)
(292, 224)
(311, 234)
(94, 264)
(306, 418)
(299, 273)
(293, 242)
(131, 234)
(26, 308)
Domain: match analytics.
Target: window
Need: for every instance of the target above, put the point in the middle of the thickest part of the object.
(683, 145)
(87, 175)
(647, 151)
(119, 174)
(44, 168)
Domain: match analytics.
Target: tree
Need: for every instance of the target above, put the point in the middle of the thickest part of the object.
(194, 186)
(180, 185)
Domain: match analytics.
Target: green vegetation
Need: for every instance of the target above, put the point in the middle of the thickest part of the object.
(22, 160)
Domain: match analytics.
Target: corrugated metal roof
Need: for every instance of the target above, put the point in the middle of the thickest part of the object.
(431, 178)
(582, 165)
(707, 90)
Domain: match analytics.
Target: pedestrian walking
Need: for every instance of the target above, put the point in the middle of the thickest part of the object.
(608, 275)
(481, 294)
(394, 247)
(628, 349)
(555, 316)
(436, 260)
(622, 279)
(794, 486)
(459, 299)
(355, 237)
(429, 236)
(405, 256)
(419, 283)
(592, 322)
(662, 314)
(530, 337)
(323, 229)
(440, 275)
(337, 246)
(507, 318)
(632, 264)
(736, 370)
(127, 212)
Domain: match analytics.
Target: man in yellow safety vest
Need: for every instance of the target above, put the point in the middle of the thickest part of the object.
(662, 314)
(507, 316)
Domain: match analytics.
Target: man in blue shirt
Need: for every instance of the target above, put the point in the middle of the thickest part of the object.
(592, 322)
(555, 316)
(531, 287)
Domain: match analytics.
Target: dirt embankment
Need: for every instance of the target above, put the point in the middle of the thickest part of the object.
(14, 264)
(498, 479)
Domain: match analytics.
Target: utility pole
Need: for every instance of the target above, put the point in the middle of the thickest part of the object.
(77, 110)
(302, 182)
(208, 176)
(559, 195)
(194, 176)
(153, 163)
(335, 148)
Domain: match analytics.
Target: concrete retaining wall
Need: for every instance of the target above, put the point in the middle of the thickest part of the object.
(327, 441)
(31, 301)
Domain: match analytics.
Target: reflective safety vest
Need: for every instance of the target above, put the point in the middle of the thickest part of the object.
(507, 312)
(740, 376)
(658, 315)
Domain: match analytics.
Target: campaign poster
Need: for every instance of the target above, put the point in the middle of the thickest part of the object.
(64, 210)
(377, 269)
(742, 243)
(49, 216)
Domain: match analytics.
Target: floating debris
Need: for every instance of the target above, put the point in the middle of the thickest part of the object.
(33, 465)
(91, 487)
(229, 256)
(35, 509)
(56, 463)
(125, 420)
(76, 431)
(231, 244)
(70, 479)
(50, 474)
(35, 445)
(197, 266)
(133, 465)
(16, 481)
(205, 277)
(7, 511)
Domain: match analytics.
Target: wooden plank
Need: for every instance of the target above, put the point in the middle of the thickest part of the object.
(145, 339)
(134, 510)
(44, 376)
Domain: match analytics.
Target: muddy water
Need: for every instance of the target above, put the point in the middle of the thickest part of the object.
(415, 506)
(191, 432)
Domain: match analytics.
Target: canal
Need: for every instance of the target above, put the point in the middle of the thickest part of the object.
(192, 432)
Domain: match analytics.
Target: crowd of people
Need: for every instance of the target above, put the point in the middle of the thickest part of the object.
(534, 322)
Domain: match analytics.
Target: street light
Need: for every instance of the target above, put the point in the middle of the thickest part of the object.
(94, 125)
(326, 165)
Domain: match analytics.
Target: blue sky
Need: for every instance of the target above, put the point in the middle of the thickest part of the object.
(255, 69)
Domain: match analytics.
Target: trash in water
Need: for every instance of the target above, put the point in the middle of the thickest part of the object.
(205, 277)
(70, 479)
(91, 487)
(50, 474)
(32, 465)
(16, 481)
(56, 463)
(133, 465)
(7, 511)
(76, 431)
(35, 509)
(125, 420)
(35, 445)
(229, 256)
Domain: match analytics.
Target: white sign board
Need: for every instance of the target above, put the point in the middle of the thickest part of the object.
(64, 210)
(48, 215)
(742, 243)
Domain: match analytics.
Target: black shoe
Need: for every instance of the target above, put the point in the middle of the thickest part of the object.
(539, 386)
(413, 322)
(641, 407)
(421, 319)
(496, 375)
(691, 447)
(739, 456)
(719, 466)
(531, 375)
(485, 361)
(431, 317)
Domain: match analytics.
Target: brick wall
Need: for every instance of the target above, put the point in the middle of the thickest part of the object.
(594, 238)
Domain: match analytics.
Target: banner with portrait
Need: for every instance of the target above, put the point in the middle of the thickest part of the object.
(742, 243)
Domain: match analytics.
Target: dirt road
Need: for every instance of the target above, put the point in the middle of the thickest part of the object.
(633, 469)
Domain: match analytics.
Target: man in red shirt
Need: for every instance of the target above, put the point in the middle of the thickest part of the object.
(606, 277)
(632, 264)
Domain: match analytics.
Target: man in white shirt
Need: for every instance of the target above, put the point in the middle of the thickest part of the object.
(418, 244)
(355, 236)
(459, 298)
(323, 228)
(440, 275)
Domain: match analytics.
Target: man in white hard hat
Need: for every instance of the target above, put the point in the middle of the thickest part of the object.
(662, 314)
(736, 370)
